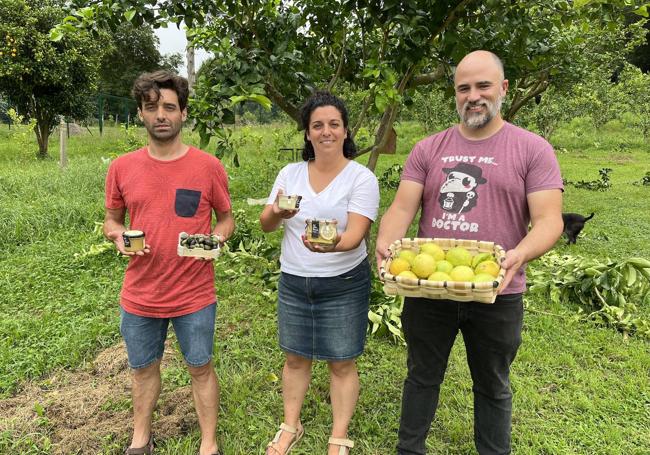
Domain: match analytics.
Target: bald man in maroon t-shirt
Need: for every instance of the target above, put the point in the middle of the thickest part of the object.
(483, 179)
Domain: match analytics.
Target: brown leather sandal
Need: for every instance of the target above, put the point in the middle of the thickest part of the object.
(146, 450)
(296, 432)
(344, 445)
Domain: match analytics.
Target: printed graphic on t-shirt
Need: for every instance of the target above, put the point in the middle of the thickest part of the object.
(459, 193)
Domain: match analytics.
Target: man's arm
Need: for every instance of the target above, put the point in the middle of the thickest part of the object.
(225, 225)
(545, 209)
(398, 217)
(113, 229)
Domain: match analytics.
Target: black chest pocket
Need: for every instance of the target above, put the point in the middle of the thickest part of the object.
(187, 202)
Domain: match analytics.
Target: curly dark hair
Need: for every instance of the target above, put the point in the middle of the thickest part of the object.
(147, 82)
(318, 99)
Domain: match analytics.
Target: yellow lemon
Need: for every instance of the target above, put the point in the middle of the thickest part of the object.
(423, 265)
(459, 256)
(483, 278)
(409, 255)
(444, 266)
(439, 276)
(477, 259)
(490, 267)
(398, 266)
(462, 273)
(433, 250)
(408, 274)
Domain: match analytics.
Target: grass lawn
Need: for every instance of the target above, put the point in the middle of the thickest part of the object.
(578, 388)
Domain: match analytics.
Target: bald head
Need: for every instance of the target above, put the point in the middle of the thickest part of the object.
(481, 59)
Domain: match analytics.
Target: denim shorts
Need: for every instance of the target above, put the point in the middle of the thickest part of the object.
(145, 337)
(324, 318)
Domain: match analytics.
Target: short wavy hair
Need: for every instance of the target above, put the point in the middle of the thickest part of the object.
(318, 99)
(147, 82)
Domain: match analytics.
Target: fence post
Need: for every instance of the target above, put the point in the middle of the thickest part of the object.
(63, 157)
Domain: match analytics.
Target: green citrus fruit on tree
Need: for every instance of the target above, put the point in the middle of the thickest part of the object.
(444, 266)
(423, 265)
(462, 273)
(459, 256)
(398, 266)
(433, 250)
(490, 267)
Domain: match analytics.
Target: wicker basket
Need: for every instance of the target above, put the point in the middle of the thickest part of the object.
(453, 290)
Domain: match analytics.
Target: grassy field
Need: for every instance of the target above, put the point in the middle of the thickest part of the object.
(579, 388)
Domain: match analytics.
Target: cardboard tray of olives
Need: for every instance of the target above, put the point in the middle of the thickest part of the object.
(198, 245)
(482, 285)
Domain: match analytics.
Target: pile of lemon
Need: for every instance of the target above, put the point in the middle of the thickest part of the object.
(433, 264)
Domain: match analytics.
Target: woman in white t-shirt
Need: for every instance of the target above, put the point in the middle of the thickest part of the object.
(324, 290)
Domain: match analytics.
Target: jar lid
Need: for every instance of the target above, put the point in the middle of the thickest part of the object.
(133, 234)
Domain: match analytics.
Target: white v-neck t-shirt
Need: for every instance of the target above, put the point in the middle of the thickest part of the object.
(354, 189)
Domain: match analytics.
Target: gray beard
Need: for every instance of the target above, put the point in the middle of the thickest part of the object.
(477, 121)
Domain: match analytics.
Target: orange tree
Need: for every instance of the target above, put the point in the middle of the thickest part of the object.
(383, 49)
(43, 79)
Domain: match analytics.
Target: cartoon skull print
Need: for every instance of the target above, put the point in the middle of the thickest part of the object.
(458, 192)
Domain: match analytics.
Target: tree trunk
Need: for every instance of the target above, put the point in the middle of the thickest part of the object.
(191, 71)
(381, 138)
(42, 130)
(521, 99)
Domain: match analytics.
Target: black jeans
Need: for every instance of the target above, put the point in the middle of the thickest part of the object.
(492, 335)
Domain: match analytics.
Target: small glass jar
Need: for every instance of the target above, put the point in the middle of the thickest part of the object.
(321, 231)
(133, 240)
(289, 202)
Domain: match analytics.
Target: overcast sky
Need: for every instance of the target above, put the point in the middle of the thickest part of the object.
(173, 40)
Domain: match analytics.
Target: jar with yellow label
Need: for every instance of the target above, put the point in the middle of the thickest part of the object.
(321, 231)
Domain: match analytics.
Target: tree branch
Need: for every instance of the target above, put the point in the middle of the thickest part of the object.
(387, 120)
(428, 78)
(340, 65)
(282, 102)
(450, 18)
(362, 114)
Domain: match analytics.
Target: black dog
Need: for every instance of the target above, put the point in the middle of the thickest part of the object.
(573, 224)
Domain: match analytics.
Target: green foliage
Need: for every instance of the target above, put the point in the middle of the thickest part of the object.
(391, 176)
(131, 51)
(433, 108)
(384, 313)
(602, 184)
(612, 291)
(21, 132)
(633, 92)
(43, 79)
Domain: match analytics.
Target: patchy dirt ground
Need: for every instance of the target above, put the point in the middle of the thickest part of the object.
(84, 411)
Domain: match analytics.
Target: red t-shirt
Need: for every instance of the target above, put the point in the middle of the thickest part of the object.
(477, 189)
(164, 198)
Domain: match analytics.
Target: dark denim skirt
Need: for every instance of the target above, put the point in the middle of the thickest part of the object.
(324, 318)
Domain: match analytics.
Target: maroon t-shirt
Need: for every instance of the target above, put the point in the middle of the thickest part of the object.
(477, 189)
(164, 198)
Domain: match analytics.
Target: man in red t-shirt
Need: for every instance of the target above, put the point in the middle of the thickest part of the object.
(167, 187)
(484, 179)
